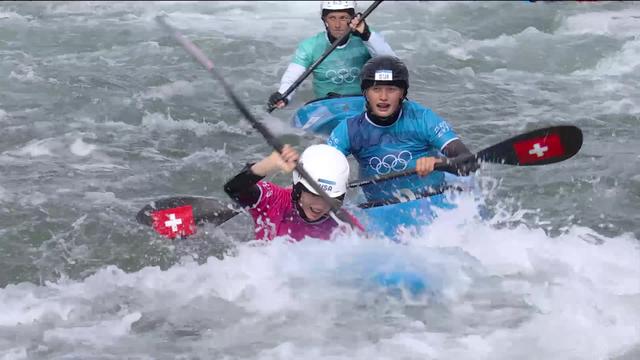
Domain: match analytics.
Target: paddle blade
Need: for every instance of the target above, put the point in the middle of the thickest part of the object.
(538, 147)
(178, 216)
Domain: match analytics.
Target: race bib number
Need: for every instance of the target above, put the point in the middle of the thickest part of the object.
(384, 75)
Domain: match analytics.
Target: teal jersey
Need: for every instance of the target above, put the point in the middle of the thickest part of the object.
(340, 71)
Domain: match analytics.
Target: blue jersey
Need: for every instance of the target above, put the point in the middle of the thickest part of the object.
(381, 150)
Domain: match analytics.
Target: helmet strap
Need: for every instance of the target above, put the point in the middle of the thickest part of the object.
(296, 194)
(295, 197)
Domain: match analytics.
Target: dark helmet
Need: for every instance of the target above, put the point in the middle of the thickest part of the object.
(384, 70)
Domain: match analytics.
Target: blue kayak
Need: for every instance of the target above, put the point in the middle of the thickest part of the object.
(321, 116)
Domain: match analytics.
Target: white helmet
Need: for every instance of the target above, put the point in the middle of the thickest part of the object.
(337, 5)
(327, 166)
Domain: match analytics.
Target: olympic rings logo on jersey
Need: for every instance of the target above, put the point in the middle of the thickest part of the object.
(390, 162)
(343, 75)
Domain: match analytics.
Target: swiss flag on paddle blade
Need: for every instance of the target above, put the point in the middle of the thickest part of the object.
(531, 151)
(174, 222)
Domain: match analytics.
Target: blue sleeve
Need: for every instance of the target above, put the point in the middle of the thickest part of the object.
(439, 133)
(339, 138)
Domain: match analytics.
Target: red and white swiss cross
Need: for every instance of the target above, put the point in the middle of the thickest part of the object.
(531, 151)
(174, 222)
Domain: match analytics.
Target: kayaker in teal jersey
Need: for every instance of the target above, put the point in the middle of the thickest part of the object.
(395, 134)
(339, 72)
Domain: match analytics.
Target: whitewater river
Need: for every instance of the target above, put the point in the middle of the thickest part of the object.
(101, 112)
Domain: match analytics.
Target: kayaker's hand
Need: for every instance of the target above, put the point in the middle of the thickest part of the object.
(285, 162)
(425, 165)
(360, 30)
(276, 100)
(288, 159)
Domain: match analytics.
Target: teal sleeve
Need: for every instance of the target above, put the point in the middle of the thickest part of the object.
(339, 138)
(438, 131)
(303, 55)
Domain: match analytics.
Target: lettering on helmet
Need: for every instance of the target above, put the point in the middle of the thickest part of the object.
(383, 75)
(326, 185)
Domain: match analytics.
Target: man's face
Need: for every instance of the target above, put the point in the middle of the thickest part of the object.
(338, 23)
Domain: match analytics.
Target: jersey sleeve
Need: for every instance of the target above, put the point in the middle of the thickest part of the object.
(243, 188)
(304, 55)
(438, 132)
(290, 76)
(271, 201)
(378, 46)
(339, 138)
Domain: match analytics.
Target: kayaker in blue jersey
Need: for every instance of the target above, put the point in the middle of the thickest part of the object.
(339, 72)
(395, 134)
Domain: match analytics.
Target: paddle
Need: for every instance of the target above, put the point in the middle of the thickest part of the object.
(538, 147)
(327, 52)
(197, 54)
(181, 214)
(561, 143)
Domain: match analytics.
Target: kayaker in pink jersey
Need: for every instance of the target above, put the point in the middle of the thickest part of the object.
(295, 211)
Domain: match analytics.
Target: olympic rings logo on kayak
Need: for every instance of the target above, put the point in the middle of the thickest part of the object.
(343, 75)
(391, 162)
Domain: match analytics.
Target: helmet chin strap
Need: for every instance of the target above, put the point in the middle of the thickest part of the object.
(295, 197)
(297, 194)
(335, 218)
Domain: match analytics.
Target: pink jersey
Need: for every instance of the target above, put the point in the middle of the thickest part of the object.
(275, 215)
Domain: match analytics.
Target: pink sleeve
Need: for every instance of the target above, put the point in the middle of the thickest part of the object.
(272, 202)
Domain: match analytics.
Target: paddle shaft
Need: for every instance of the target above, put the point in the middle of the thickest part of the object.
(323, 56)
(197, 54)
(446, 163)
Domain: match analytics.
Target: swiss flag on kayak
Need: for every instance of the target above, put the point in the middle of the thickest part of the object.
(534, 150)
(174, 222)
